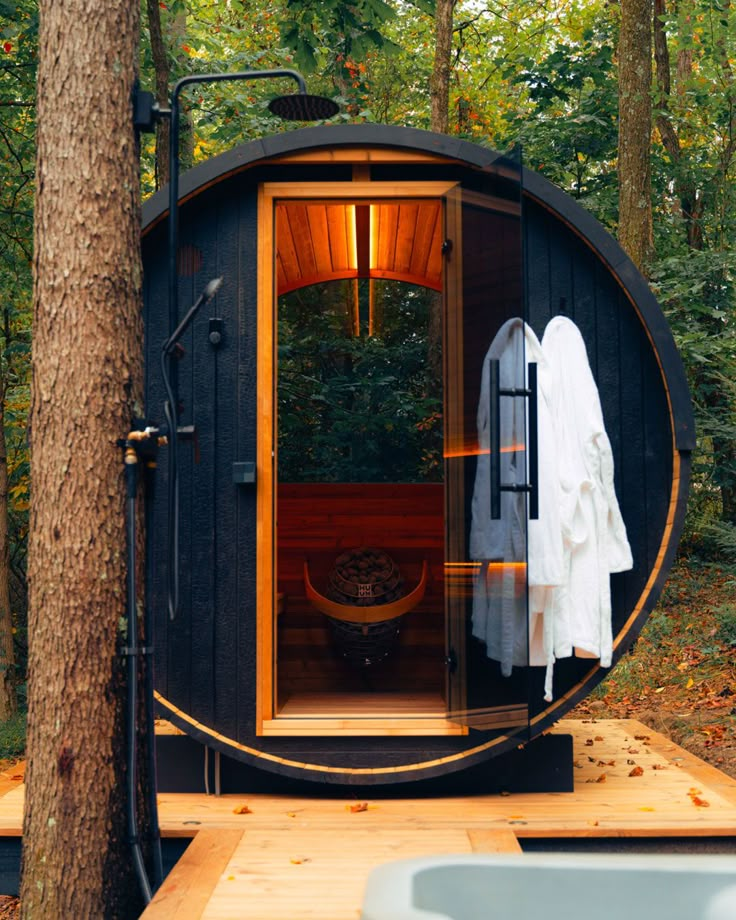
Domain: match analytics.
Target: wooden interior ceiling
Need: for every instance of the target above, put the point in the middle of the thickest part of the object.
(329, 240)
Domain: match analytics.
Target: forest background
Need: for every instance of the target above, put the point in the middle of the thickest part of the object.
(546, 74)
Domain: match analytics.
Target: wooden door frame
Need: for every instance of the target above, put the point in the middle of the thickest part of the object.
(266, 647)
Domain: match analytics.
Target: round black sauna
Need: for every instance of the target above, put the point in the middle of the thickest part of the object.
(438, 462)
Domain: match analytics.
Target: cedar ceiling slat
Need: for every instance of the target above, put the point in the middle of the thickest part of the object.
(406, 231)
(428, 215)
(388, 217)
(338, 216)
(300, 230)
(287, 259)
(317, 220)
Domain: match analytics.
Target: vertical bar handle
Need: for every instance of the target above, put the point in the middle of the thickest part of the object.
(495, 438)
(533, 441)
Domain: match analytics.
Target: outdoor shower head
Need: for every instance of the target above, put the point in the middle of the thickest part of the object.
(303, 107)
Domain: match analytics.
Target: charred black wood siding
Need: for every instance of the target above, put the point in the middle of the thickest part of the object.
(206, 658)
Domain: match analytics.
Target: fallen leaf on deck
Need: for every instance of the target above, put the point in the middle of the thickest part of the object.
(358, 806)
(637, 771)
(242, 810)
(298, 860)
(646, 808)
(701, 803)
(641, 738)
(658, 766)
(598, 738)
(589, 742)
(600, 779)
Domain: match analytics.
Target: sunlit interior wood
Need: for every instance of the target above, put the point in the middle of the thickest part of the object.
(329, 240)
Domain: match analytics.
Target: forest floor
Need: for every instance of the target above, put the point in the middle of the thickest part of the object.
(680, 677)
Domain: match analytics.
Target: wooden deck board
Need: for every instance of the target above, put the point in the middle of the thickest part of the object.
(189, 886)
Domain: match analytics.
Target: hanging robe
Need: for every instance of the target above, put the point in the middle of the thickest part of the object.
(595, 544)
(512, 631)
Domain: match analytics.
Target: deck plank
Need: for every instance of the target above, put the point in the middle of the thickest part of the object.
(189, 886)
(307, 873)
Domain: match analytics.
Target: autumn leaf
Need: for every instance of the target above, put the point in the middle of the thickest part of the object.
(701, 803)
(358, 806)
(242, 810)
(637, 771)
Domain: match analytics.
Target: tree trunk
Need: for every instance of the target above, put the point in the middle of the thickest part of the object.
(8, 701)
(439, 85)
(86, 378)
(635, 128)
(163, 75)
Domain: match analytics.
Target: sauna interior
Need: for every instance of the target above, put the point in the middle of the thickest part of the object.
(378, 337)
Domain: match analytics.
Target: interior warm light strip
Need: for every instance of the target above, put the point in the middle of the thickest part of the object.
(352, 237)
(491, 565)
(372, 258)
(484, 451)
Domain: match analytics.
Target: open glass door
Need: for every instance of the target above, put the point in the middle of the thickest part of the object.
(487, 409)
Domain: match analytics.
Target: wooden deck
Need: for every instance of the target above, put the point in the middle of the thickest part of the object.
(271, 857)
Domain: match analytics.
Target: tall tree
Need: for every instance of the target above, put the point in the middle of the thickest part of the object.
(87, 378)
(635, 129)
(439, 86)
(162, 74)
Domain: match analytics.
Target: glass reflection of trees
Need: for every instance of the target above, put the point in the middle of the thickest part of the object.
(360, 383)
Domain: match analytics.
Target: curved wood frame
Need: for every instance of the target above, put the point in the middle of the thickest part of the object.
(375, 144)
(366, 615)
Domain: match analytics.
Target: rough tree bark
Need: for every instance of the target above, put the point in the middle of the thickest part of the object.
(439, 84)
(635, 128)
(162, 71)
(86, 379)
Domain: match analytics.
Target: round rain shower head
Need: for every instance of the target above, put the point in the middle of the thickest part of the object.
(303, 107)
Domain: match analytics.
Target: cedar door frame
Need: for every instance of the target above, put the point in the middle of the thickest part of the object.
(267, 720)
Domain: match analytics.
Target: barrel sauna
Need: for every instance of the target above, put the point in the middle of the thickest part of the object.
(335, 385)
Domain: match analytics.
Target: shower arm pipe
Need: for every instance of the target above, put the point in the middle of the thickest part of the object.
(173, 114)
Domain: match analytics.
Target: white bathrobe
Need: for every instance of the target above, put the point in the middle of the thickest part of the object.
(578, 613)
(500, 619)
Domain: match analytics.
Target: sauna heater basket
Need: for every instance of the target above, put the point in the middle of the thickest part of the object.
(364, 603)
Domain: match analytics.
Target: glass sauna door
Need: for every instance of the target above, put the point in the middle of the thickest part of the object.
(396, 322)
(489, 403)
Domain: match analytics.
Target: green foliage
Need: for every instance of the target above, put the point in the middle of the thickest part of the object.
(18, 40)
(13, 735)
(334, 29)
(571, 133)
(358, 408)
